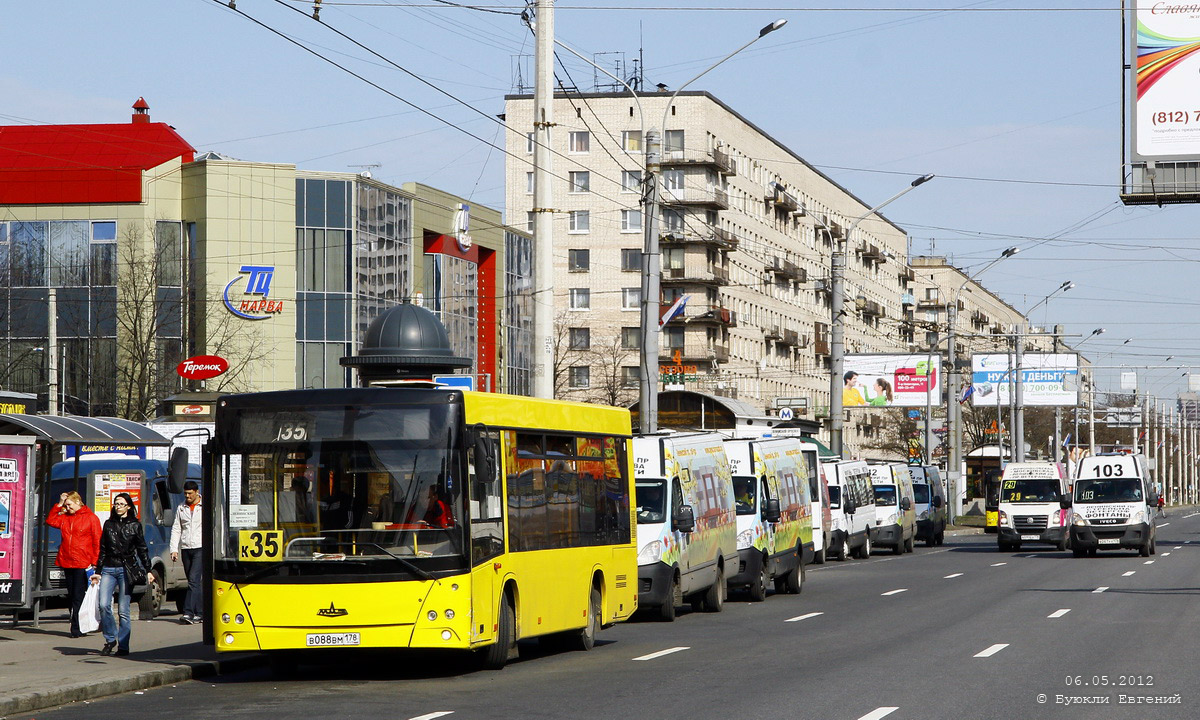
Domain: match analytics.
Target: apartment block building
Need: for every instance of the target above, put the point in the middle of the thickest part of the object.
(747, 230)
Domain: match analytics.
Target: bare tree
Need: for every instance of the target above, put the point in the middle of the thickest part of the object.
(608, 360)
(141, 317)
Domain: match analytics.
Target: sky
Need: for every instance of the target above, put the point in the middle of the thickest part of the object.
(1015, 106)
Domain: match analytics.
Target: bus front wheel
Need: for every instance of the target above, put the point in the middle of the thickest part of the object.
(495, 656)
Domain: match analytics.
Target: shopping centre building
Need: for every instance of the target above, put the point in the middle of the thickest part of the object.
(123, 251)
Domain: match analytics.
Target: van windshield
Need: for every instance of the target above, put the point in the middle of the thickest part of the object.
(1029, 491)
(744, 496)
(651, 501)
(921, 494)
(1107, 491)
(835, 496)
(885, 495)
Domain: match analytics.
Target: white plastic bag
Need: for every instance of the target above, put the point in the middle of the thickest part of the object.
(89, 611)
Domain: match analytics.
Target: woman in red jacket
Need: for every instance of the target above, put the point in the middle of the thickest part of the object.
(78, 550)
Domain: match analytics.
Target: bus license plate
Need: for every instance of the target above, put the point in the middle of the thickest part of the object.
(1030, 537)
(1110, 541)
(332, 639)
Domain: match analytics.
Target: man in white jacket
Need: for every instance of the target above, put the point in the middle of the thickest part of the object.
(185, 540)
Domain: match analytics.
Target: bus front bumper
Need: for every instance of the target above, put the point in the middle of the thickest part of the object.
(750, 562)
(1049, 536)
(886, 535)
(654, 584)
(1110, 537)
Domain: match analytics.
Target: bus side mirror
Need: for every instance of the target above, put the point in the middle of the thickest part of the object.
(849, 507)
(485, 460)
(905, 504)
(684, 520)
(772, 513)
(177, 470)
(938, 502)
(1064, 501)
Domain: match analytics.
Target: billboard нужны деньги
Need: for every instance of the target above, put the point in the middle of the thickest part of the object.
(1047, 379)
(1166, 44)
(891, 381)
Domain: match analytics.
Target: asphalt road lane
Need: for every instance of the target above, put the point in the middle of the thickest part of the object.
(960, 631)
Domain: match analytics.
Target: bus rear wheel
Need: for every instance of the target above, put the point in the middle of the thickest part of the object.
(794, 582)
(714, 599)
(586, 639)
(494, 657)
(666, 612)
(758, 587)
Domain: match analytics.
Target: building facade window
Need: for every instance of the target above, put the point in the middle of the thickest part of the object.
(631, 338)
(580, 377)
(580, 221)
(631, 220)
(673, 141)
(631, 376)
(581, 181)
(579, 141)
(579, 260)
(518, 316)
(529, 183)
(631, 140)
(631, 181)
(631, 259)
(581, 299)
(631, 298)
(580, 338)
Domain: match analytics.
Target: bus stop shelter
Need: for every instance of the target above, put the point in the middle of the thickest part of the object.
(30, 445)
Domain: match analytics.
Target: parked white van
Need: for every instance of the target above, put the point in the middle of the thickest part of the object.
(929, 502)
(774, 523)
(686, 527)
(852, 504)
(895, 520)
(1030, 506)
(1114, 504)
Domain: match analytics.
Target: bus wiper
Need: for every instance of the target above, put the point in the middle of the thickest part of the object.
(424, 575)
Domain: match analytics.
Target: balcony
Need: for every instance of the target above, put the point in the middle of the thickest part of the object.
(979, 319)
(872, 308)
(783, 200)
(906, 275)
(719, 237)
(695, 350)
(931, 303)
(772, 332)
(711, 197)
(907, 300)
(695, 270)
(786, 268)
(821, 339)
(725, 237)
(821, 348)
(690, 158)
(791, 338)
(706, 314)
(870, 252)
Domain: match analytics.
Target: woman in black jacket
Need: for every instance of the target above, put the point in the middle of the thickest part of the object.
(122, 547)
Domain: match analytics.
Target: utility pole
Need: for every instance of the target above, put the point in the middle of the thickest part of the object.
(651, 282)
(1018, 415)
(543, 202)
(52, 354)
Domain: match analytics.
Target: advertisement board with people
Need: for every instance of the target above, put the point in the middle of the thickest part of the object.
(891, 381)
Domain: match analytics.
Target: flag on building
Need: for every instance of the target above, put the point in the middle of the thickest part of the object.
(674, 311)
(1067, 440)
(967, 392)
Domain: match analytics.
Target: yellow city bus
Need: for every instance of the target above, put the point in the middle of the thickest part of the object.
(417, 517)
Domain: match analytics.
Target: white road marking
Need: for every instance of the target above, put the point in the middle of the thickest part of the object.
(1177, 547)
(1148, 562)
(1100, 589)
(798, 618)
(992, 650)
(660, 653)
(1059, 613)
(894, 592)
(1128, 573)
(878, 713)
(998, 564)
(1163, 525)
(1166, 554)
(1185, 517)
(432, 715)
(952, 576)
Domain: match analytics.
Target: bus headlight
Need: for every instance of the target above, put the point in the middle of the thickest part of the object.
(890, 519)
(225, 618)
(1004, 519)
(652, 553)
(924, 515)
(432, 615)
(1078, 520)
(449, 614)
(1138, 517)
(745, 538)
(228, 638)
(239, 619)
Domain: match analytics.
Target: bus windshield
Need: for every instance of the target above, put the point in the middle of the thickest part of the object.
(885, 495)
(1029, 491)
(921, 494)
(651, 501)
(1108, 490)
(744, 496)
(371, 482)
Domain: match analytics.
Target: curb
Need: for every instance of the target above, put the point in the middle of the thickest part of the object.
(965, 531)
(186, 670)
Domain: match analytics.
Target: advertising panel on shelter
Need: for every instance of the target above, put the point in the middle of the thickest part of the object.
(1166, 81)
(15, 464)
(891, 381)
(1048, 379)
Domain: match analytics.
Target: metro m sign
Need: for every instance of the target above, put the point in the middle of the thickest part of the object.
(202, 367)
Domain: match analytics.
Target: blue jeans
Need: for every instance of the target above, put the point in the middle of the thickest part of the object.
(112, 581)
(193, 604)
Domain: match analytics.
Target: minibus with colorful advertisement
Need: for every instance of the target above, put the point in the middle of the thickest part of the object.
(1030, 510)
(1113, 506)
(686, 523)
(929, 501)
(895, 517)
(818, 498)
(774, 527)
(852, 504)
(416, 517)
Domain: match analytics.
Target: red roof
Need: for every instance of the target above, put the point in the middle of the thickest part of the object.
(83, 164)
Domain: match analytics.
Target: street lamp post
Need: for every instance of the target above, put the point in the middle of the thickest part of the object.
(837, 323)
(651, 261)
(1091, 398)
(953, 409)
(1019, 378)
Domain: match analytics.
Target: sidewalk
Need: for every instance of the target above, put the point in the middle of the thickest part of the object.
(45, 667)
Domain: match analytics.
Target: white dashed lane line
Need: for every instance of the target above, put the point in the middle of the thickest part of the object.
(878, 713)
(432, 715)
(894, 592)
(992, 650)
(1166, 554)
(1059, 613)
(1148, 562)
(798, 618)
(1128, 573)
(952, 576)
(1100, 589)
(998, 564)
(660, 653)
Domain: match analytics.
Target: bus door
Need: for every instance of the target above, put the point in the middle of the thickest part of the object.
(485, 505)
(991, 500)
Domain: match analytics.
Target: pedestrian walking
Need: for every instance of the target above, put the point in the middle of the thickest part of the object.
(1162, 506)
(123, 560)
(78, 550)
(186, 542)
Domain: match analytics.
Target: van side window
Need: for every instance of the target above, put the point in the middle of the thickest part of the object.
(766, 491)
(161, 502)
(676, 498)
